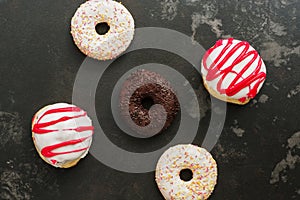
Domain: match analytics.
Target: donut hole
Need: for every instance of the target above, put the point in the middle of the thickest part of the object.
(147, 102)
(186, 175)
(102, 28)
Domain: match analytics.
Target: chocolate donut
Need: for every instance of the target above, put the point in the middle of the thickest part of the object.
(140, 95)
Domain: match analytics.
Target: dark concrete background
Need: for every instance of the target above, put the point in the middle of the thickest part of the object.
(258, 152)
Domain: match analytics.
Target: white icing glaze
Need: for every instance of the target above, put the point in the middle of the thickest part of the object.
(227, 79)
(115, 41)
(180, 157)
(61, 134)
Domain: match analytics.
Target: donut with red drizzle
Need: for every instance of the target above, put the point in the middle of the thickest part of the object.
(233, 71)
(62, 134)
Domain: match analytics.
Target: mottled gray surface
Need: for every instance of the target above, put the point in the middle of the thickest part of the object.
(258, 152)
(290, 162)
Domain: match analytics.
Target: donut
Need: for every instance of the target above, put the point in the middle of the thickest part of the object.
(103, 46)
(180, 158)
(143, 85)
(233, 71)
(62, 134)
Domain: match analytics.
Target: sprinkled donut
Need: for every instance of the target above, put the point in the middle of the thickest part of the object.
(62, 134)
(182, 158)
(109, 45)
(141, 86)
(233, 71)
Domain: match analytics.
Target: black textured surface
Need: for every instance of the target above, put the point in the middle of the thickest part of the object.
(258, 152)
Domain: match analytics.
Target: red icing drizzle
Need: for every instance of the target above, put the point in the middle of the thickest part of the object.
(48, 151)
(53, 161)
(214, 70)
(40, 128)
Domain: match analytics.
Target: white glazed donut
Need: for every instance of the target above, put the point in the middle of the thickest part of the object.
(62, 134)
(233, 71)
(111, 44)
(181, 157)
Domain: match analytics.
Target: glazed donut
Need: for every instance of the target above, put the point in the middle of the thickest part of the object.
(111, 44)
(186, 157)
(62, 134)
(233, 71)
(147, 85)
